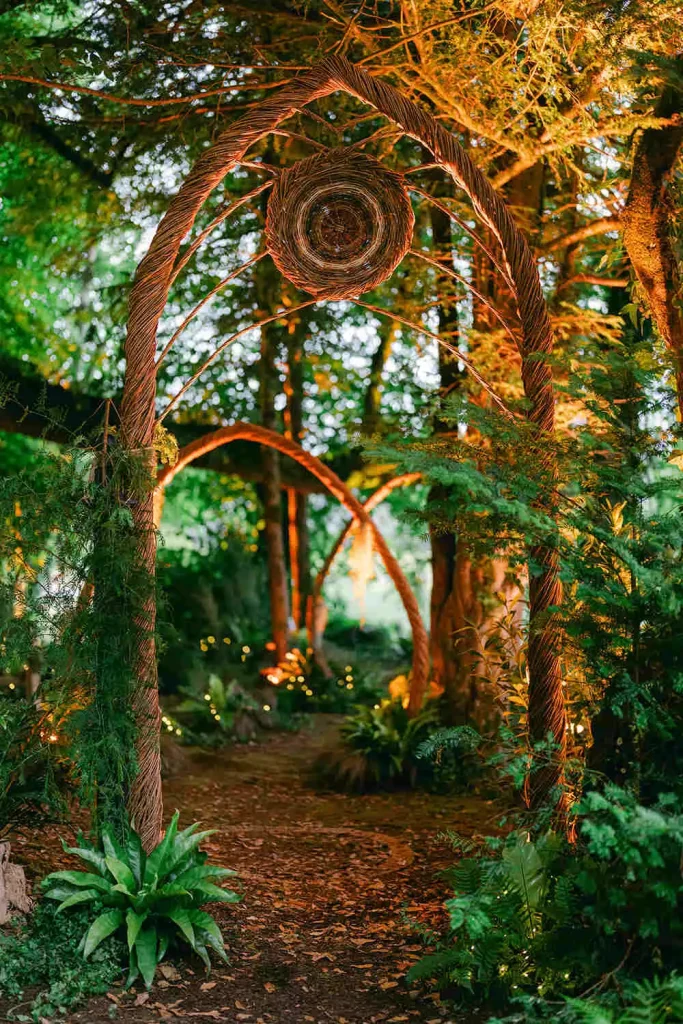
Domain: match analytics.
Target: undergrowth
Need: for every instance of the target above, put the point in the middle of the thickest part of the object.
(42, 971)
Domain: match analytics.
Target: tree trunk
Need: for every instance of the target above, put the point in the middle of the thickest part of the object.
(299, 543)
(269, 287)
(647, 227)
(464, 605)
(373, 395)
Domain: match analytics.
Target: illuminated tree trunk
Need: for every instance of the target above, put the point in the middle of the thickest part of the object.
(465, 605)
(268, 288)
(648, 228)
(299, 543)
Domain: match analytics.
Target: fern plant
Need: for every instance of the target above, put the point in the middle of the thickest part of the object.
(379, 747)
(153, 899)
(219, 706)
(547, 918)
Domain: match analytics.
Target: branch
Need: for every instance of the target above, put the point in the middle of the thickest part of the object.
(84, 164)
(604, 282)
(594, 227)
(62, 415)
(135, 101)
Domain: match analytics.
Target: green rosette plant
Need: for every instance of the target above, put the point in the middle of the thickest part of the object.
(154, 900)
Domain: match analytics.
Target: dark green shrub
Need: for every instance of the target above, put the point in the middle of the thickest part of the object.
(215, 713)
(378, 747)
(32, 770)
(547, 918)
(153, 899)
(43, 953)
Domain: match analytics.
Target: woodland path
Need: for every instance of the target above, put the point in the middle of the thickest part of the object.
(329, 881)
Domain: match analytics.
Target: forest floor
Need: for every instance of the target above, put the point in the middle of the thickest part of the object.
(334, 886)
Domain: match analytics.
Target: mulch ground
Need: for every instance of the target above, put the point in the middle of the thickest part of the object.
(334, 886)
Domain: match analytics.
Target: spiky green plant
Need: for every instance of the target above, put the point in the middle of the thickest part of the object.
(153, 899)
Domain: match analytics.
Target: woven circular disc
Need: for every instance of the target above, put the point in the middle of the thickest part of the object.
(338, 224)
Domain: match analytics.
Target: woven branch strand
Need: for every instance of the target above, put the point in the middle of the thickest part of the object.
(375, 499)
(336, 487)
(149, 294)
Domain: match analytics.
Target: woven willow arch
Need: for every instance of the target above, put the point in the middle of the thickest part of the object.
(138, 409)
(375, 499)
(251, 432)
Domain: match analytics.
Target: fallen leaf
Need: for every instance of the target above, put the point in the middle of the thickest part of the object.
(206, 986)
(169, 972)
(388, 984)
(141, 999)
(213, 1014)
(269, 987)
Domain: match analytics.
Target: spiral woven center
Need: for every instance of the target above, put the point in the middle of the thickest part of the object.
(339, 227)
(338, 224)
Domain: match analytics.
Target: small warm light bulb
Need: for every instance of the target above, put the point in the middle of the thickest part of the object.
(579, 728)
(349, 686)
(290, 686)
(266, 707)
(211, 639)
(347, 668)
(349, 679)
(12, 686)
(179, 732)
(207, 696)
(217, 717)
(247, 650)
(52, 737)
(227, 640)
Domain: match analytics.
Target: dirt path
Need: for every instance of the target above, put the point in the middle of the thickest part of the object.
(328, 880)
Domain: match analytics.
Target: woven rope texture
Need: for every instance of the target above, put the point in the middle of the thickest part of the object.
(338, 224)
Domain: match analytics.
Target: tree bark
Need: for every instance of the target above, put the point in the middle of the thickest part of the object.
(647, 227)
(268, 286)
(299, 542)
(465, 605)
(373, 396)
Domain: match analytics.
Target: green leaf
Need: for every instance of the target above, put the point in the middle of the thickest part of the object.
(92, 857)
(155, 867)
(82, 879)
(146, 950)
(167, 892)
(186, 842)
(525, 870)
(123, 875)
(112, 848)
(200, 919)
(202, 872)
(82, 896)
(162, 947)
(134, 923)
(200, 950)
(133, 970)
(136, 857)
(101, 928)
(215, 893)
(181, 918)
(61, 893)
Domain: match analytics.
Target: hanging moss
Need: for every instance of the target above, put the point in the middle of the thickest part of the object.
(71, 591)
